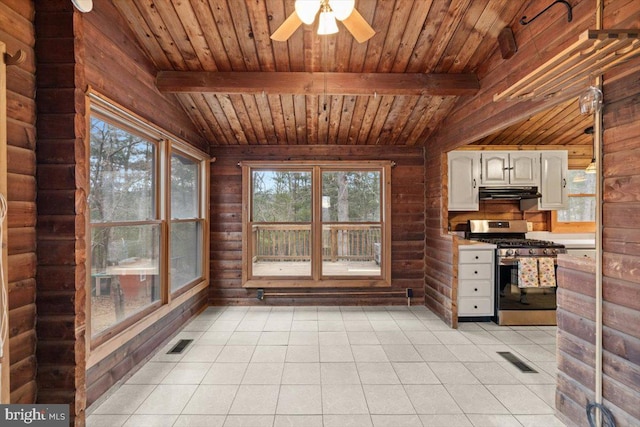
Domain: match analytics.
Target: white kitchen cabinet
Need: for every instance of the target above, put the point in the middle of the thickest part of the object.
(505, 168)
(464, 176)
(475, 281)
(553, 182)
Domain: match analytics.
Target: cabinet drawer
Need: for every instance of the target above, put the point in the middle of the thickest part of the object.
(475, 271)
(475, 307)
(467, 257)
(474, 288)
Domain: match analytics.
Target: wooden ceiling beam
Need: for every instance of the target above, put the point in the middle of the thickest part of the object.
(306, 83)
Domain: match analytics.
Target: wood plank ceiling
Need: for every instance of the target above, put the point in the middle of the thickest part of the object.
(412, 36)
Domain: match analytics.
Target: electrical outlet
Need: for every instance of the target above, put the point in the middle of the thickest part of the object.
(529, 226)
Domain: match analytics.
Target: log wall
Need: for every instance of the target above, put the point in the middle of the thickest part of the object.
(17, 31)
(75, 51)
(407, 218)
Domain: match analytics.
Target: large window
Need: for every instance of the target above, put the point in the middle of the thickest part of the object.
(147, 217)
(581, 213)
(321, 224)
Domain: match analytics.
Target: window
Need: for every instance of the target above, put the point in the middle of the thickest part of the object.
(580, 216)
(134, 267)
(321, 224)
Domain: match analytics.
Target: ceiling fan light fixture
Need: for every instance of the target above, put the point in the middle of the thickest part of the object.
(327, 23)
(307, 10)
(342, 8)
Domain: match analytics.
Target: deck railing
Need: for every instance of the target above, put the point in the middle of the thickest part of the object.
(340, 242)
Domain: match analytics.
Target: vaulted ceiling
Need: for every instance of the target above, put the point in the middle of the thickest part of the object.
(331, 89)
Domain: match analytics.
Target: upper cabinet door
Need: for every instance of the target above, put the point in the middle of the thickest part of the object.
(523, 168)
(464, 175)
(495, 168)
(553, 182)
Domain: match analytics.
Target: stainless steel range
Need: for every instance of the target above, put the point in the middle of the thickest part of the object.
(525, 272)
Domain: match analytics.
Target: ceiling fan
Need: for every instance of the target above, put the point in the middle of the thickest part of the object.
(330, 10)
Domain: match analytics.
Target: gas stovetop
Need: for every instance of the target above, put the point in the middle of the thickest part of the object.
(502, 242)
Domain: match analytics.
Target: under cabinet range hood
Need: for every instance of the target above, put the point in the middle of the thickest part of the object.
(509, 193)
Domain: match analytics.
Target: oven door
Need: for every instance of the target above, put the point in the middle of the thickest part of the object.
(509, 296)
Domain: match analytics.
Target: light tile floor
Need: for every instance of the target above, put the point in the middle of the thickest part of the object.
(338, 367)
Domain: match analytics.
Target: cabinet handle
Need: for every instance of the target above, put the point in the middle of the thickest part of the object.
(564, 183)
(474, 183)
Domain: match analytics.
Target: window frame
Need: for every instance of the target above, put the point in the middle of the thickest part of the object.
(573, 226)
(317, 279)
(105, 341)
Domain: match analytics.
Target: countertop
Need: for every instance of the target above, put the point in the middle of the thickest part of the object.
(569, 240)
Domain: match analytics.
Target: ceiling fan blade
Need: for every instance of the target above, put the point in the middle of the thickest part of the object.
(288, 27)
(358, 27)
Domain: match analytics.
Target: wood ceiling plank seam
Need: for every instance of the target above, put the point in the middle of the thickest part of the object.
(312, 52)
(445, 33)
(380, 119)
(195, 35)
(424, 44)
(235, 122)
(537, 123)
(216, 109)
(266, 118)
(462, 41)
(180, 39)
(209, 28)
(413, 28)
(359, 50)
(300, 104)
(341, 49)
(226, 29)
(438, 115)
(157, 31)
(312, 119)
(242, 24)
(324, 111)
(415, 117)
(276, 15)
(109, 24)
(369, 117)
(397, 27)
(482, 37)
(402, 121)
(240, 112)
(259, 26)
(356, 120)
(196, 116)
(624, 15)
(277, 114)
(488, 47)
(201, 104)
(564, 124)
(297, 41)
(334, 119)
(255, 119)
(424, 121)
(289, 115)
(348, 109)
(381, 22)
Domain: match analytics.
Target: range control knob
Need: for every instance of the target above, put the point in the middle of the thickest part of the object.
(509, 252)
(546, 251)
(532, 251)
(516, 252)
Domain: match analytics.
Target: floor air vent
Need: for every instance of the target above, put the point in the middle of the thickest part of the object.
(179, 347)
(515, 361)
